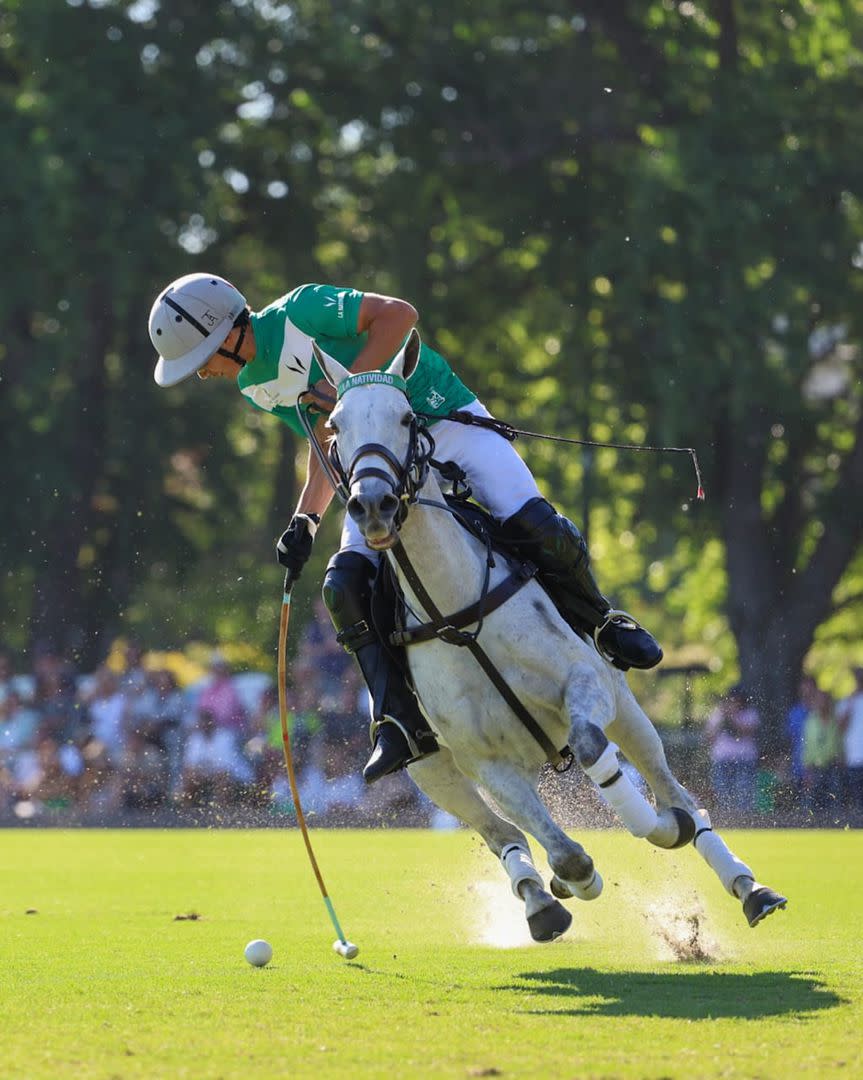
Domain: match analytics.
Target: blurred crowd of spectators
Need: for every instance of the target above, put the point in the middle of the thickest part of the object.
(102, 745)
(824, 772)
(128, 739)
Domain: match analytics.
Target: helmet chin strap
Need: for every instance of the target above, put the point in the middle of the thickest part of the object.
(235, 353)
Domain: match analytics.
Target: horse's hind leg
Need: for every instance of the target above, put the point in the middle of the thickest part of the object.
(439, 777)
(638, 739)
(590, 703)
(514, 793)
(641, 743)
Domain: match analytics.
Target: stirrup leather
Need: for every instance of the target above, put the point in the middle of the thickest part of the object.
(621, 618)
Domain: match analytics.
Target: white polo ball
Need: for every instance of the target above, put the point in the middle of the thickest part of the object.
(258, 952)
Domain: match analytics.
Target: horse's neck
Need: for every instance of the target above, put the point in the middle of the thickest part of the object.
(447, 560)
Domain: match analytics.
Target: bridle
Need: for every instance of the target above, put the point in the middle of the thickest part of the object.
(405, 478)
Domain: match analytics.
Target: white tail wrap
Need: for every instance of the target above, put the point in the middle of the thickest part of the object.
(628, 803)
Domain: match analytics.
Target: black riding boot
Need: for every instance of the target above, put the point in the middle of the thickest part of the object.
(399, 730)
(559, 550)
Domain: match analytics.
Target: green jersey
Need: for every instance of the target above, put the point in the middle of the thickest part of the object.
(284, 366)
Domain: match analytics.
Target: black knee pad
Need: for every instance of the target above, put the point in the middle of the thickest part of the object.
(533, 517)
(539, 527)
(347, 590)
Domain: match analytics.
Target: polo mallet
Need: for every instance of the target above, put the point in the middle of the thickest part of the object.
(341, 945)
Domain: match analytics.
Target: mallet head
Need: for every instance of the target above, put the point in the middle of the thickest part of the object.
(345, 949)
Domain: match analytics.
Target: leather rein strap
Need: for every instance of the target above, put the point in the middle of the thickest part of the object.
(448, 630)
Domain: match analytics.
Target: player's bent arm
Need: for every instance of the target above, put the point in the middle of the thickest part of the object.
(317, 491)
(387, 320)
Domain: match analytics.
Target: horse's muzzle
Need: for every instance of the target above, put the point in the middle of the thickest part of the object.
(375, 516)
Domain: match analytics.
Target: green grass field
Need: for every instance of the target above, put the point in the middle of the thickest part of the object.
(103, 981)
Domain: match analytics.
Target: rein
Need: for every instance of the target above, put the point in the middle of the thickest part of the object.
(337, 482)
(511, 433)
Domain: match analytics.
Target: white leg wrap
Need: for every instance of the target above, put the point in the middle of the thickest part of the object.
(589, 891)
(724, 863)
(519, 865)
(628, 803)
(605, 766)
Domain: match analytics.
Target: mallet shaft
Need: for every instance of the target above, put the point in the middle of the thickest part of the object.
(289, 757)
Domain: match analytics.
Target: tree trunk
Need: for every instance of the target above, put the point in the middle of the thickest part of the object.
(773, 609)
(770, 664)
(68, 598)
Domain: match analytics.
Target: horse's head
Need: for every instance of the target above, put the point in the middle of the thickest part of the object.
(376, 444)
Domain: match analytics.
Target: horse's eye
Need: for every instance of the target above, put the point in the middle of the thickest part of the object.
(406, 419)
(330, 426)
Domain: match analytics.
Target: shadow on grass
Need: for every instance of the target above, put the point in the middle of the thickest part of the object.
(691, 995)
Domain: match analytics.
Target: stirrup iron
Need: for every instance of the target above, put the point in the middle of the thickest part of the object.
(415, 751)
(623, 619)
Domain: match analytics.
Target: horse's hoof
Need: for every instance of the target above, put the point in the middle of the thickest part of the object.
(560, 889)
(760, 903)
(550, 922)
(566, 890)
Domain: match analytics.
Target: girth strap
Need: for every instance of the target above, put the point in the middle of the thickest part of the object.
(447, 628)
(560, 759)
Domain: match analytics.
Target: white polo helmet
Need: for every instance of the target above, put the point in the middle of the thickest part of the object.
(189, 321)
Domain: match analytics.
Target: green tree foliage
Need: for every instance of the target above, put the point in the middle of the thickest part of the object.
(634, 222)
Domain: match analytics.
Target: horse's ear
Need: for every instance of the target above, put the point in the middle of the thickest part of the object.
(412, 352)
(406, 361)
(333, 371)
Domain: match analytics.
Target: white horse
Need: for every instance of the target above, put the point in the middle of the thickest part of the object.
(571, 691)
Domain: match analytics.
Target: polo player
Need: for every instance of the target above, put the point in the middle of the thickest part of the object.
(201, 324)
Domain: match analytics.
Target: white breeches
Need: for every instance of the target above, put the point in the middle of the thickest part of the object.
(498, 477)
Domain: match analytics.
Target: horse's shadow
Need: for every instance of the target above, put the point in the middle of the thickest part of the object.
(690, 995)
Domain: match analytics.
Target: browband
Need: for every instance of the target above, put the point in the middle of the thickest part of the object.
(367, 377)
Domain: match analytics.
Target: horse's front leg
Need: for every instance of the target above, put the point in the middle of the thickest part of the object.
(680, 819)
(516, 795)
(438, 776)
